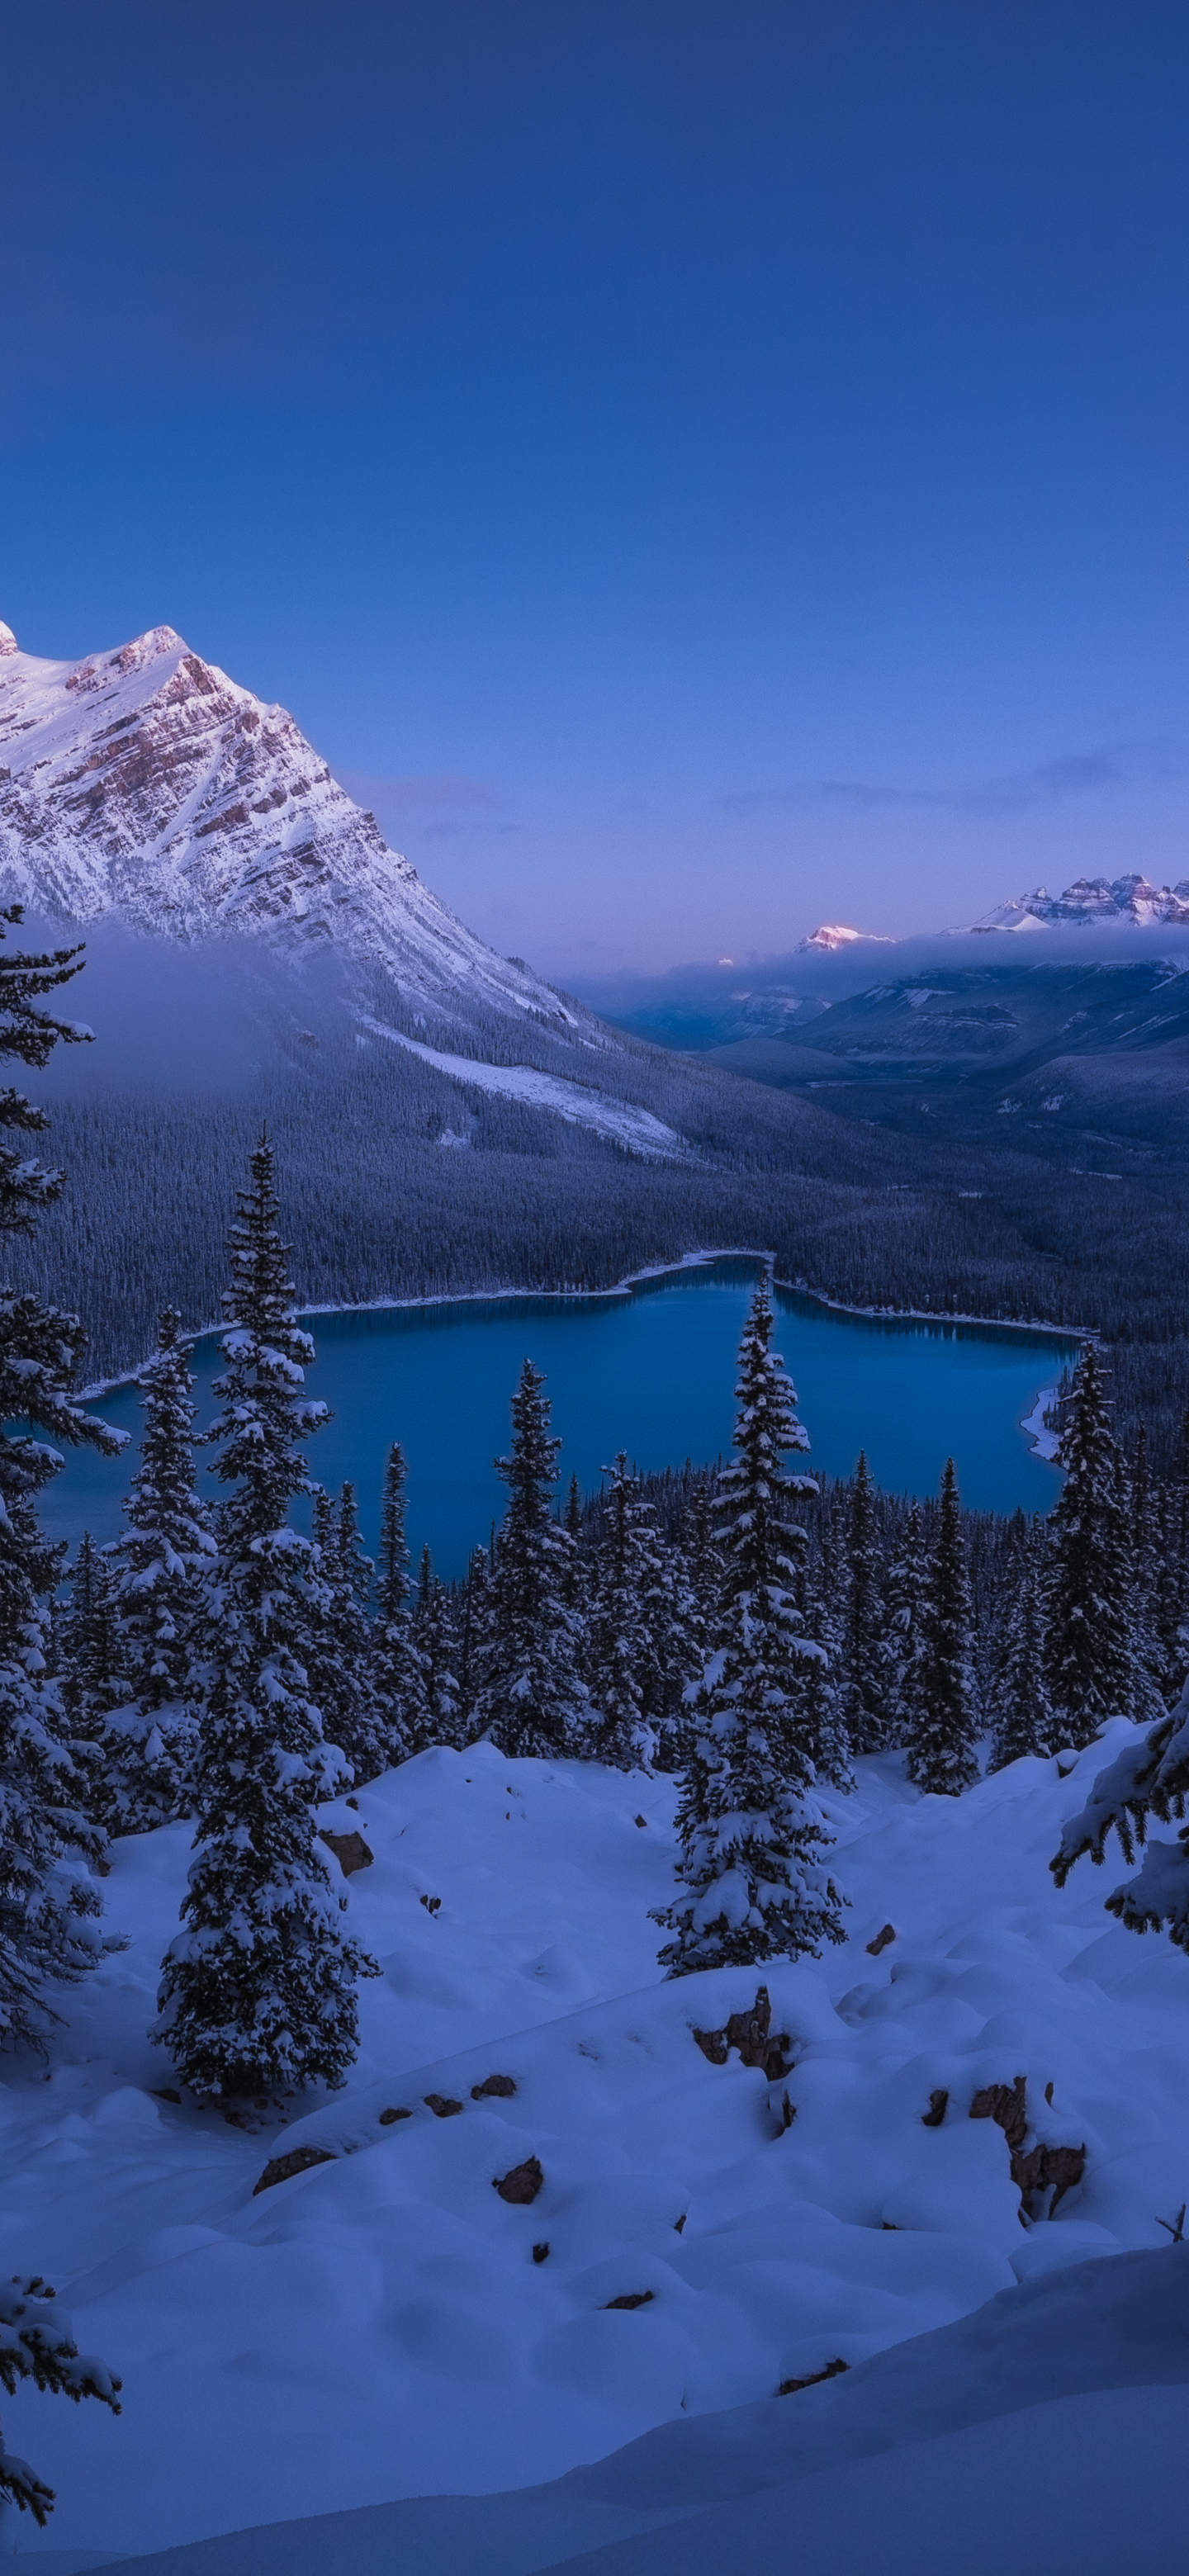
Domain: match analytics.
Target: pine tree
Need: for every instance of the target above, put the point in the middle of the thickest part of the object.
(575, 1575)
(903, 1638)
(617, 1641)
(95, 1691)
(48, 1900)
(1020, 1705)
(338, 1651)
(398, 1680)
(444, 1721)
(258, 1992)
(752, 1884)
(1090, 1650)
(864, 1667)
(158, 1570)
(475, 1629)
(531, 1699)
(941, 1752)
(37, 2343)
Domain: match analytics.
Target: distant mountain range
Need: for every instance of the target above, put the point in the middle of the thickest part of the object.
(1089, 901)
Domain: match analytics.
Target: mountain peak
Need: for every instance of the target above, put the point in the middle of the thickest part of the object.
(832, 935)
(8, 641)
(1129, 899)
(145, 783)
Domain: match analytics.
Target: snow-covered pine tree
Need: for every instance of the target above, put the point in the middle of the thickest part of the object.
(48, 1899)
(1021, 1709)
(95, 1692)
(531, 1698)
(903, 1637)
(397, 1677)
(575, 1581)
(1090, 1656)
(37, 2343)
(941, 1748)
(338, 1647)
(258, 1991)
(821, 1722)
(864, 1668)
(752, 1880)
(616, 1640)
(1150, 1777)
(474, 1630)
(157, 1573)
(703, 1554)
(444, 1721)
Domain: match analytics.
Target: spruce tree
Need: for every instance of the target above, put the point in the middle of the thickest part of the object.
(903, 1639)
(158, 1570)
(258, 1991)
(338, 1653)
(752, 1881)
(616, 1638)
(531, 1699)
(475, 1629)
(1090, 1655)
(575, 1576)
(397, 1677)
(48, 1899)
(444, 1721)
(1021, 1709)
(864, 1667)
(941, 1751)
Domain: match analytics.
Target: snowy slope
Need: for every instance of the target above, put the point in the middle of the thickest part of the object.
(146, 783)
(622, 1122)
(1060, 2410)
(377, 2326)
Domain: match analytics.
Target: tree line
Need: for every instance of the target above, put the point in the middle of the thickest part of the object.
(750, 1632)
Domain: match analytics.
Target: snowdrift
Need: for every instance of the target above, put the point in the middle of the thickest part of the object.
(385, 2322)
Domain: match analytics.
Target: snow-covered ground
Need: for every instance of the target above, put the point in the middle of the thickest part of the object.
(622, 1121)
(377, 2326)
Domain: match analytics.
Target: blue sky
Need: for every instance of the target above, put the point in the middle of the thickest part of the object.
(696, 469)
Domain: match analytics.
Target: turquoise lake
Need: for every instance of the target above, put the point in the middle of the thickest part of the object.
(650, 1370)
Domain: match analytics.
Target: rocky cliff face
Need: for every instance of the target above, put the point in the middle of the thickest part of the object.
(1093, 899)
(144, 782)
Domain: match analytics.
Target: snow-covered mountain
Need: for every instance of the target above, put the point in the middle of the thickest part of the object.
(830, 936)
(145, 783)
(1130, 899)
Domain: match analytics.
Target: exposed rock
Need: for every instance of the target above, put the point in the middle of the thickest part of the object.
(299, 2160)
(387, 2117)
(167, 2093)
(521, 2185)
(1043, 2167)
(1003, 2103)
(641, 1820)
(443, 2105)
(631, 2299)
(501, 2087)
(881, 1940)
(540, 2253)
(145, 782)
(938, 2106)
(432, 1904)
(750, 2033)
(789, 2387)
(350, 1851)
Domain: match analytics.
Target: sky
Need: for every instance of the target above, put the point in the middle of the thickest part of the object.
(695, 470)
